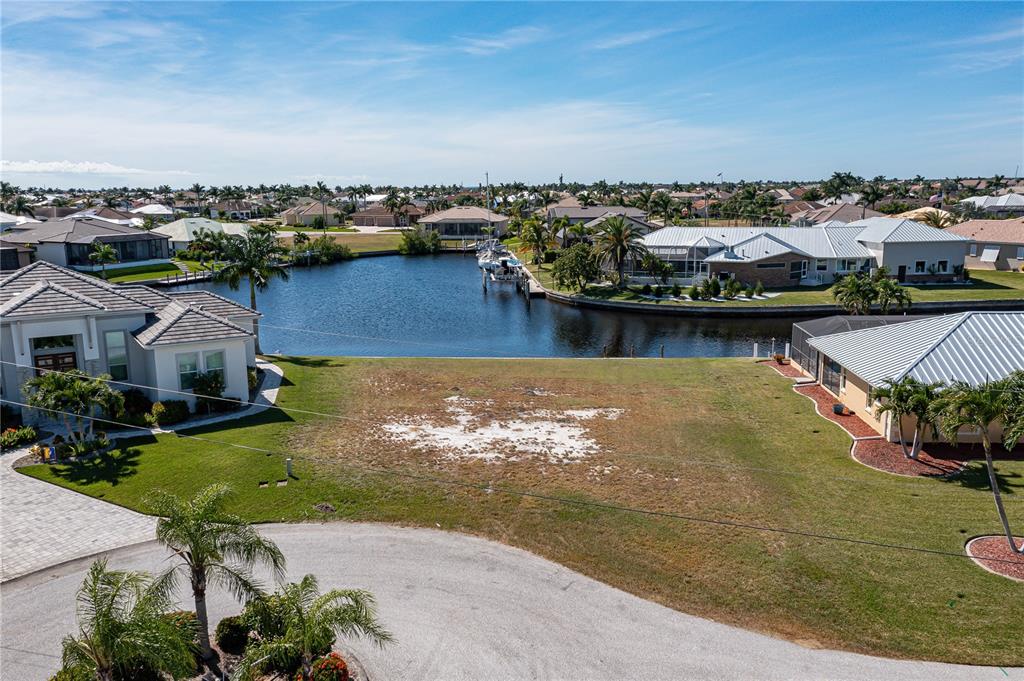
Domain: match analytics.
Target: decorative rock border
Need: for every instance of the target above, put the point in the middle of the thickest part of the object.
(995, 546)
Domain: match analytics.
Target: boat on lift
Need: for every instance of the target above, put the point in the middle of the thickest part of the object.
(498, 263)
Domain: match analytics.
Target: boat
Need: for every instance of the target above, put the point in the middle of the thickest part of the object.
(498, 263)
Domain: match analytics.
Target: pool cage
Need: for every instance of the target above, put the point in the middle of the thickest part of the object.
(806, 356)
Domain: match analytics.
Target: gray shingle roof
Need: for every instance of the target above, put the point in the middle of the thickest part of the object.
(150, 296)
(183, 323)
(970, 346)
(113, 298)
(81, 230)
(47, 298)
(211, 302)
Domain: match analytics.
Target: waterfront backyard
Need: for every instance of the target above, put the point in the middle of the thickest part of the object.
(722, 439)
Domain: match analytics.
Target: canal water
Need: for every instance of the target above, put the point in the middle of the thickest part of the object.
(435, 306)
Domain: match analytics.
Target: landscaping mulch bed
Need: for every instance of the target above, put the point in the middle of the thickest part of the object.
(851, 423)
(993, 553)
(787, 370)
(933, 461)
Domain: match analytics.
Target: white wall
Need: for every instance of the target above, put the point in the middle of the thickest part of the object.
(894, 255)
(165, 366)
(54, 253)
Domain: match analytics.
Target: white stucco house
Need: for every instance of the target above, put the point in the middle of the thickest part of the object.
(182, 232)
(55, 318)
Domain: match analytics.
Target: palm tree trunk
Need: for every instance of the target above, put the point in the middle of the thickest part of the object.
(996, 494)
(256, 320)
(307, 667)
(202, 618)
(899, 430)
(621, 267)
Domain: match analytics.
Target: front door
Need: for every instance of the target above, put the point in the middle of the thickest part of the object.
(901, 274)
(798, 270)
(58, 361)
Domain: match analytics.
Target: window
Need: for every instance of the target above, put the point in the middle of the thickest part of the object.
(188, 367)
(49, 342)
(214, 361)
(842, 381)
(919, 267)
(943, 266)
(821, 265)
(847, 265)
(1020, 252)
(869, 400)
(117, 355)
(974, 249)
(771, 265)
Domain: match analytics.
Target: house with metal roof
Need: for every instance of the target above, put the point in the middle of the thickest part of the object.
(998, 206)
(973, 347)
(183, 232)
(54, 318)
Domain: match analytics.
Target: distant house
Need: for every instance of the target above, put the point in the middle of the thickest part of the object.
(68, 242)
(1000, 206)
(842, 212)
(7, 220)
(53, 212)
(466, 222)
(58, 319)
(121, 217)
(995, 244)
(379, 216)
(594, 226)
(306, 214)
(234, 210)
(156, 211)
(14, 255)
(955, 347)
(577, 214)
(182, 232)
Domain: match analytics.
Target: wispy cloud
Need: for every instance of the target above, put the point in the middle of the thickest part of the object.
(15, 13)
(80, 168)
(633, 38)
(997, 36)
(981, 61)
(506, 40)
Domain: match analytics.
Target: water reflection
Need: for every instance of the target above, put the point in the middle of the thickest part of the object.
(435, 306)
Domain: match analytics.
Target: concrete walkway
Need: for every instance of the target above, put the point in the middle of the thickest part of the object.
(43, 524)
(466, 608)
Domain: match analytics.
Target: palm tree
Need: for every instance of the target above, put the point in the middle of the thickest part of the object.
(76, 397)
(312, 622)
(253, 257)
(938, 219)
(197, 189)
(535, 236)
(870, 194)
(978, 407)
(103, 253)
(908, 397)
(322, 191)
(559, 224)
(662, 203)
(889, 293)
(300, 240)
(122, 628)
(19, 205)
(617, 240)
(214, 547)
(854, 293)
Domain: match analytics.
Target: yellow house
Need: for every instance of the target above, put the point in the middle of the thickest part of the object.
(973, 347)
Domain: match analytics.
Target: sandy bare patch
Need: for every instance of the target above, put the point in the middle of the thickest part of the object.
(556, 436)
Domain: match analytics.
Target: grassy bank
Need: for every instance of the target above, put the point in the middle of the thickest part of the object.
(122, 275)
(359, 242)
(723, 439)
(985, 285)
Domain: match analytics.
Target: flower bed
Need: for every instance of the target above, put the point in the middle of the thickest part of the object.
(824, 400)
(993, 553)
(934, 460)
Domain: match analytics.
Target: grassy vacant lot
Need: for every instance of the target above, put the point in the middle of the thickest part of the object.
(718, 438)
(122, 275)
(359, 242)
(986, 285)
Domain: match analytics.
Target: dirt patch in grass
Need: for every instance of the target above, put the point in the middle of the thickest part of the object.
(787, 370)
(994, 554)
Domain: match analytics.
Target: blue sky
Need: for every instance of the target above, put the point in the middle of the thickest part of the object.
(97, 94)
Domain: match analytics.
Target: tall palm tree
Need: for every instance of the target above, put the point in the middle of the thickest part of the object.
(561, 225)
(312, 622)
(889, 294)
(213, 546)
(535, 236)
(102, 253)
(870, 194)
(908, 397)
(19, 205)
(197, 189)
(322, 191)
(963, 405)
(122, 628)
(616, 241)
(254, 257)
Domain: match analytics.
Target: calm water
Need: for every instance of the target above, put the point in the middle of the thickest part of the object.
(434, 306)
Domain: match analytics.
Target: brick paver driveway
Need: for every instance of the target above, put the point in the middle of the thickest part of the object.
(43, 524)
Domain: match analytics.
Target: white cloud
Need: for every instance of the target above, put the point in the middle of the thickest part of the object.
(79, 168)
(633, 38)
(15, 13)
(506, 40)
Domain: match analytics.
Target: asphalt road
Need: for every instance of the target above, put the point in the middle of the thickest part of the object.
(467, 608)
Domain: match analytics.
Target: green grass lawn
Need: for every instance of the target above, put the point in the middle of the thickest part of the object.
(123, 275)
(985, 285)
(720, 438)
(297, 228)
(360, 242)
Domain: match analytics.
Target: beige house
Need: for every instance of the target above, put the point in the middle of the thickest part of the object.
(305, 215)
(973, 347)
(995, 244)
(466, 222)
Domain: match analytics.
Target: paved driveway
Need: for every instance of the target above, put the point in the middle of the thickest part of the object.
(467, 608)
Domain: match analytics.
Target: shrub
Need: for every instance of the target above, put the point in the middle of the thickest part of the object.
(694, 292)
(330, 667)
(551, 255)
(168, 412)
(716, 287)
(15, 437)
(136, 403)
(208, 389)
(779, 358)
(758, 288)
(253, 378)
(326, 250)
(646, 290)
(677, 290)
(232, 634)
(658, 291)
(749, 293)
(419, 242)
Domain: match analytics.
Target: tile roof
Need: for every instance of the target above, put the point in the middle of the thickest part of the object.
(211, 302)
(845, 212)
(991, 231)
(969, 346)
(80, 230)
(464, 214)
(895, 230)
(113, 298)
(183, 323)
(150, 296)
(47, 298)
(591, 212)
(185, 229)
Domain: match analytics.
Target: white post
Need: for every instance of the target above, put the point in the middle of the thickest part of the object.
(288, 467)
(755, 350)
(787, 351)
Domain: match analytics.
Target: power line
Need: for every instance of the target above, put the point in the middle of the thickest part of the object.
(722, 522)
(645, 456)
